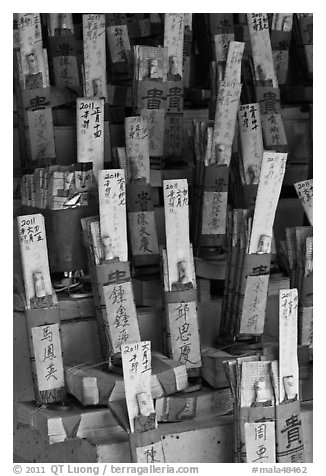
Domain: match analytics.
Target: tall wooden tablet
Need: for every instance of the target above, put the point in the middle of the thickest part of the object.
(227, 104)
(304, 190)
(137, 147)
(112, 203)
(31, 47)
(41, 134)
(261, 48)
(34, 255)
(94, 55)
(173, 41)
(251, 141)
(90, 132)
(270, 183)
(176, 209)
(118, 42)
(136, 364)
(233, 62)
(288, 338)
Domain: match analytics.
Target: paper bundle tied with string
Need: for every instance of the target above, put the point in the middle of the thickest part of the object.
(92, 385)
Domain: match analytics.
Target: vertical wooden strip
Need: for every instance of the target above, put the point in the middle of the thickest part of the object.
(254, 305)
(214, 206)
(136, 364)
(30, 43)
(288, 341)
(142, 226)
(59, 23)
(251, 141)
(261, 48)
(176, 209)
(34, 254)
(225, 120)
(221, 46)
(94, 55)
(90, 132)
(270, 183)
(121, 314)
(41, 134)
(112, 203)
(304, 190)
(63, 54)
(137, 147)
(274, 132)
(233, 62)
(118, 42)
(173, 41)
(155, 119)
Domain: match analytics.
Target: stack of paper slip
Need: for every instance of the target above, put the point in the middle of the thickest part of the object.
(92, 386)
(168, 376)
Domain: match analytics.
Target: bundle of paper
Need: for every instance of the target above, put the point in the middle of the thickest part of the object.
(250, 235)
(213, 149)
(61, 423)
(213, 371)
(251, 385)
(93, 386)
(58, 186)
(238, 228)
(168, 375)
(184, 406)
(268, 424)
